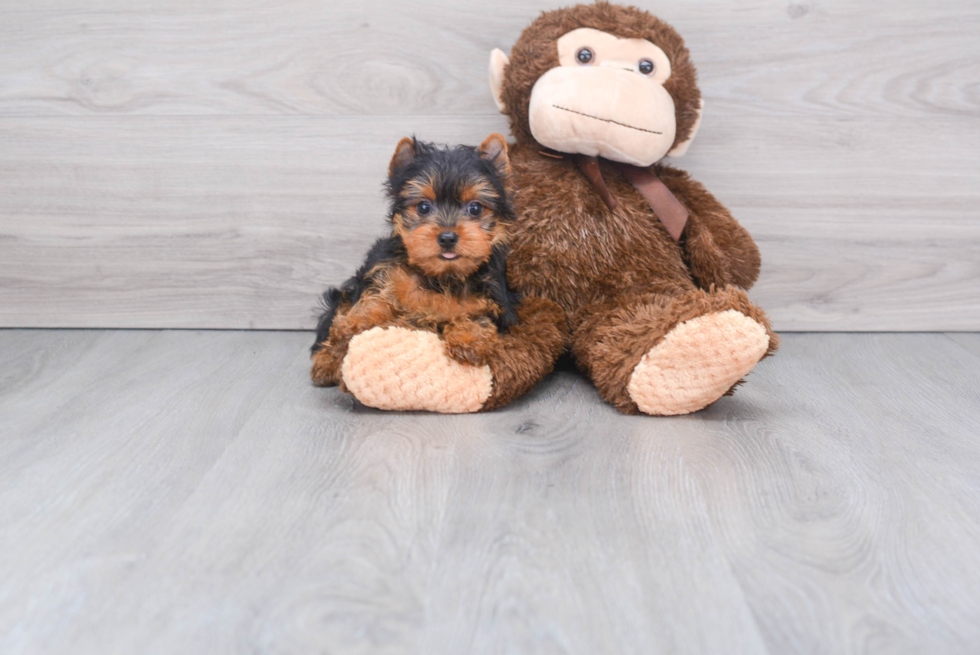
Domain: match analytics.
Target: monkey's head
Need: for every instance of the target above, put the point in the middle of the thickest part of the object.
(601, 80)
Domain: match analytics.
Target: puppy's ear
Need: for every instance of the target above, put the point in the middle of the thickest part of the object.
(494, 150)
(404, 155)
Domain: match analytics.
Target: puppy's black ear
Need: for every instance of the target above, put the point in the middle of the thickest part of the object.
(404, 155)
(494, 150)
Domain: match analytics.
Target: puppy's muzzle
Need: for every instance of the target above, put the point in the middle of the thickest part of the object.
(447, 240)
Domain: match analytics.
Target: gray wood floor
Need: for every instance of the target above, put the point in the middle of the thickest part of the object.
(190, 492)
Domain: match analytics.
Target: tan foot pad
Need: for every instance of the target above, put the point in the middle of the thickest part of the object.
(697, 362)
(400, 369)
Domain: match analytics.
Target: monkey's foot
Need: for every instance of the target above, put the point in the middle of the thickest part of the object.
(697, 362)
(396, 368)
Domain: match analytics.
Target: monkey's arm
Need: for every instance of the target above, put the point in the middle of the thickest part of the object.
(527, 351)
(718, 250)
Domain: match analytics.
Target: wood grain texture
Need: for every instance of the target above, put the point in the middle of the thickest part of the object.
(232, 222)
(834, 59)
(171, 164)
(190, 492)
(968, 340)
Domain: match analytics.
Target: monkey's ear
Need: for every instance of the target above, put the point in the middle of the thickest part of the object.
(681, 148)
(494, 149)
(404, 155)
(498, 61)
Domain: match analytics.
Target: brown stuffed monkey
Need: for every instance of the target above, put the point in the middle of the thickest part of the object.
(649, 268)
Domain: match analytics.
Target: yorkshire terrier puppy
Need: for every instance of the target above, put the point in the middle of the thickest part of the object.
(442, 269)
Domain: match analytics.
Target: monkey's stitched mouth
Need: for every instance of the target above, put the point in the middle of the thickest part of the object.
(606, 120)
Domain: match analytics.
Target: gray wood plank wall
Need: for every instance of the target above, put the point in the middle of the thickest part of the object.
(166, 163)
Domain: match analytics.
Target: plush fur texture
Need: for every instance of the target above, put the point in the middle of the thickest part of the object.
(696, 362)
(625, 252)
(622, 281)
(527, 352)
(611, 284)
(612, 336)
(380, 368)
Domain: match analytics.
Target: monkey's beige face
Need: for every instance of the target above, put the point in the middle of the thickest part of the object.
(606, 98)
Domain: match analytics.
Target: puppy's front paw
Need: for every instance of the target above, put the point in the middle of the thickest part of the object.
(466, 355)
(470, 343)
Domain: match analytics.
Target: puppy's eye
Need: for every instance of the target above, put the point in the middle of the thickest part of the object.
(647, 67)
(584, 55)
(423, 208)
(474, 209)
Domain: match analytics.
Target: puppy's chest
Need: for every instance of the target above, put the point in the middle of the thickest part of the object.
(421, 302)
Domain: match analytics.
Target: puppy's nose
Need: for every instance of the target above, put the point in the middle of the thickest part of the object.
(447, 239)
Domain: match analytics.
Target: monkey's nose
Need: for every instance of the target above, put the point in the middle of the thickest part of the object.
(447, 240)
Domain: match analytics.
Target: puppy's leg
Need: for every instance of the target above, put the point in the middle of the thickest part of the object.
(369, 312)
(408, 369)
(471, 341)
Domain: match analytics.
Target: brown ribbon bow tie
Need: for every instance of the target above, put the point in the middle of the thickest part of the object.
(671, 211)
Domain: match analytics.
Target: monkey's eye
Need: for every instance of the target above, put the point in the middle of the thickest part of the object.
(584, 55)
(474, 209)
(423, 208)
(647, 67)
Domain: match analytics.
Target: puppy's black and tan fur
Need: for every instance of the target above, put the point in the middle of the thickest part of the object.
(443, 268)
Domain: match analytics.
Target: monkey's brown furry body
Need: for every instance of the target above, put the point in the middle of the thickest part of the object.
(625, 285)
(622, 280)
